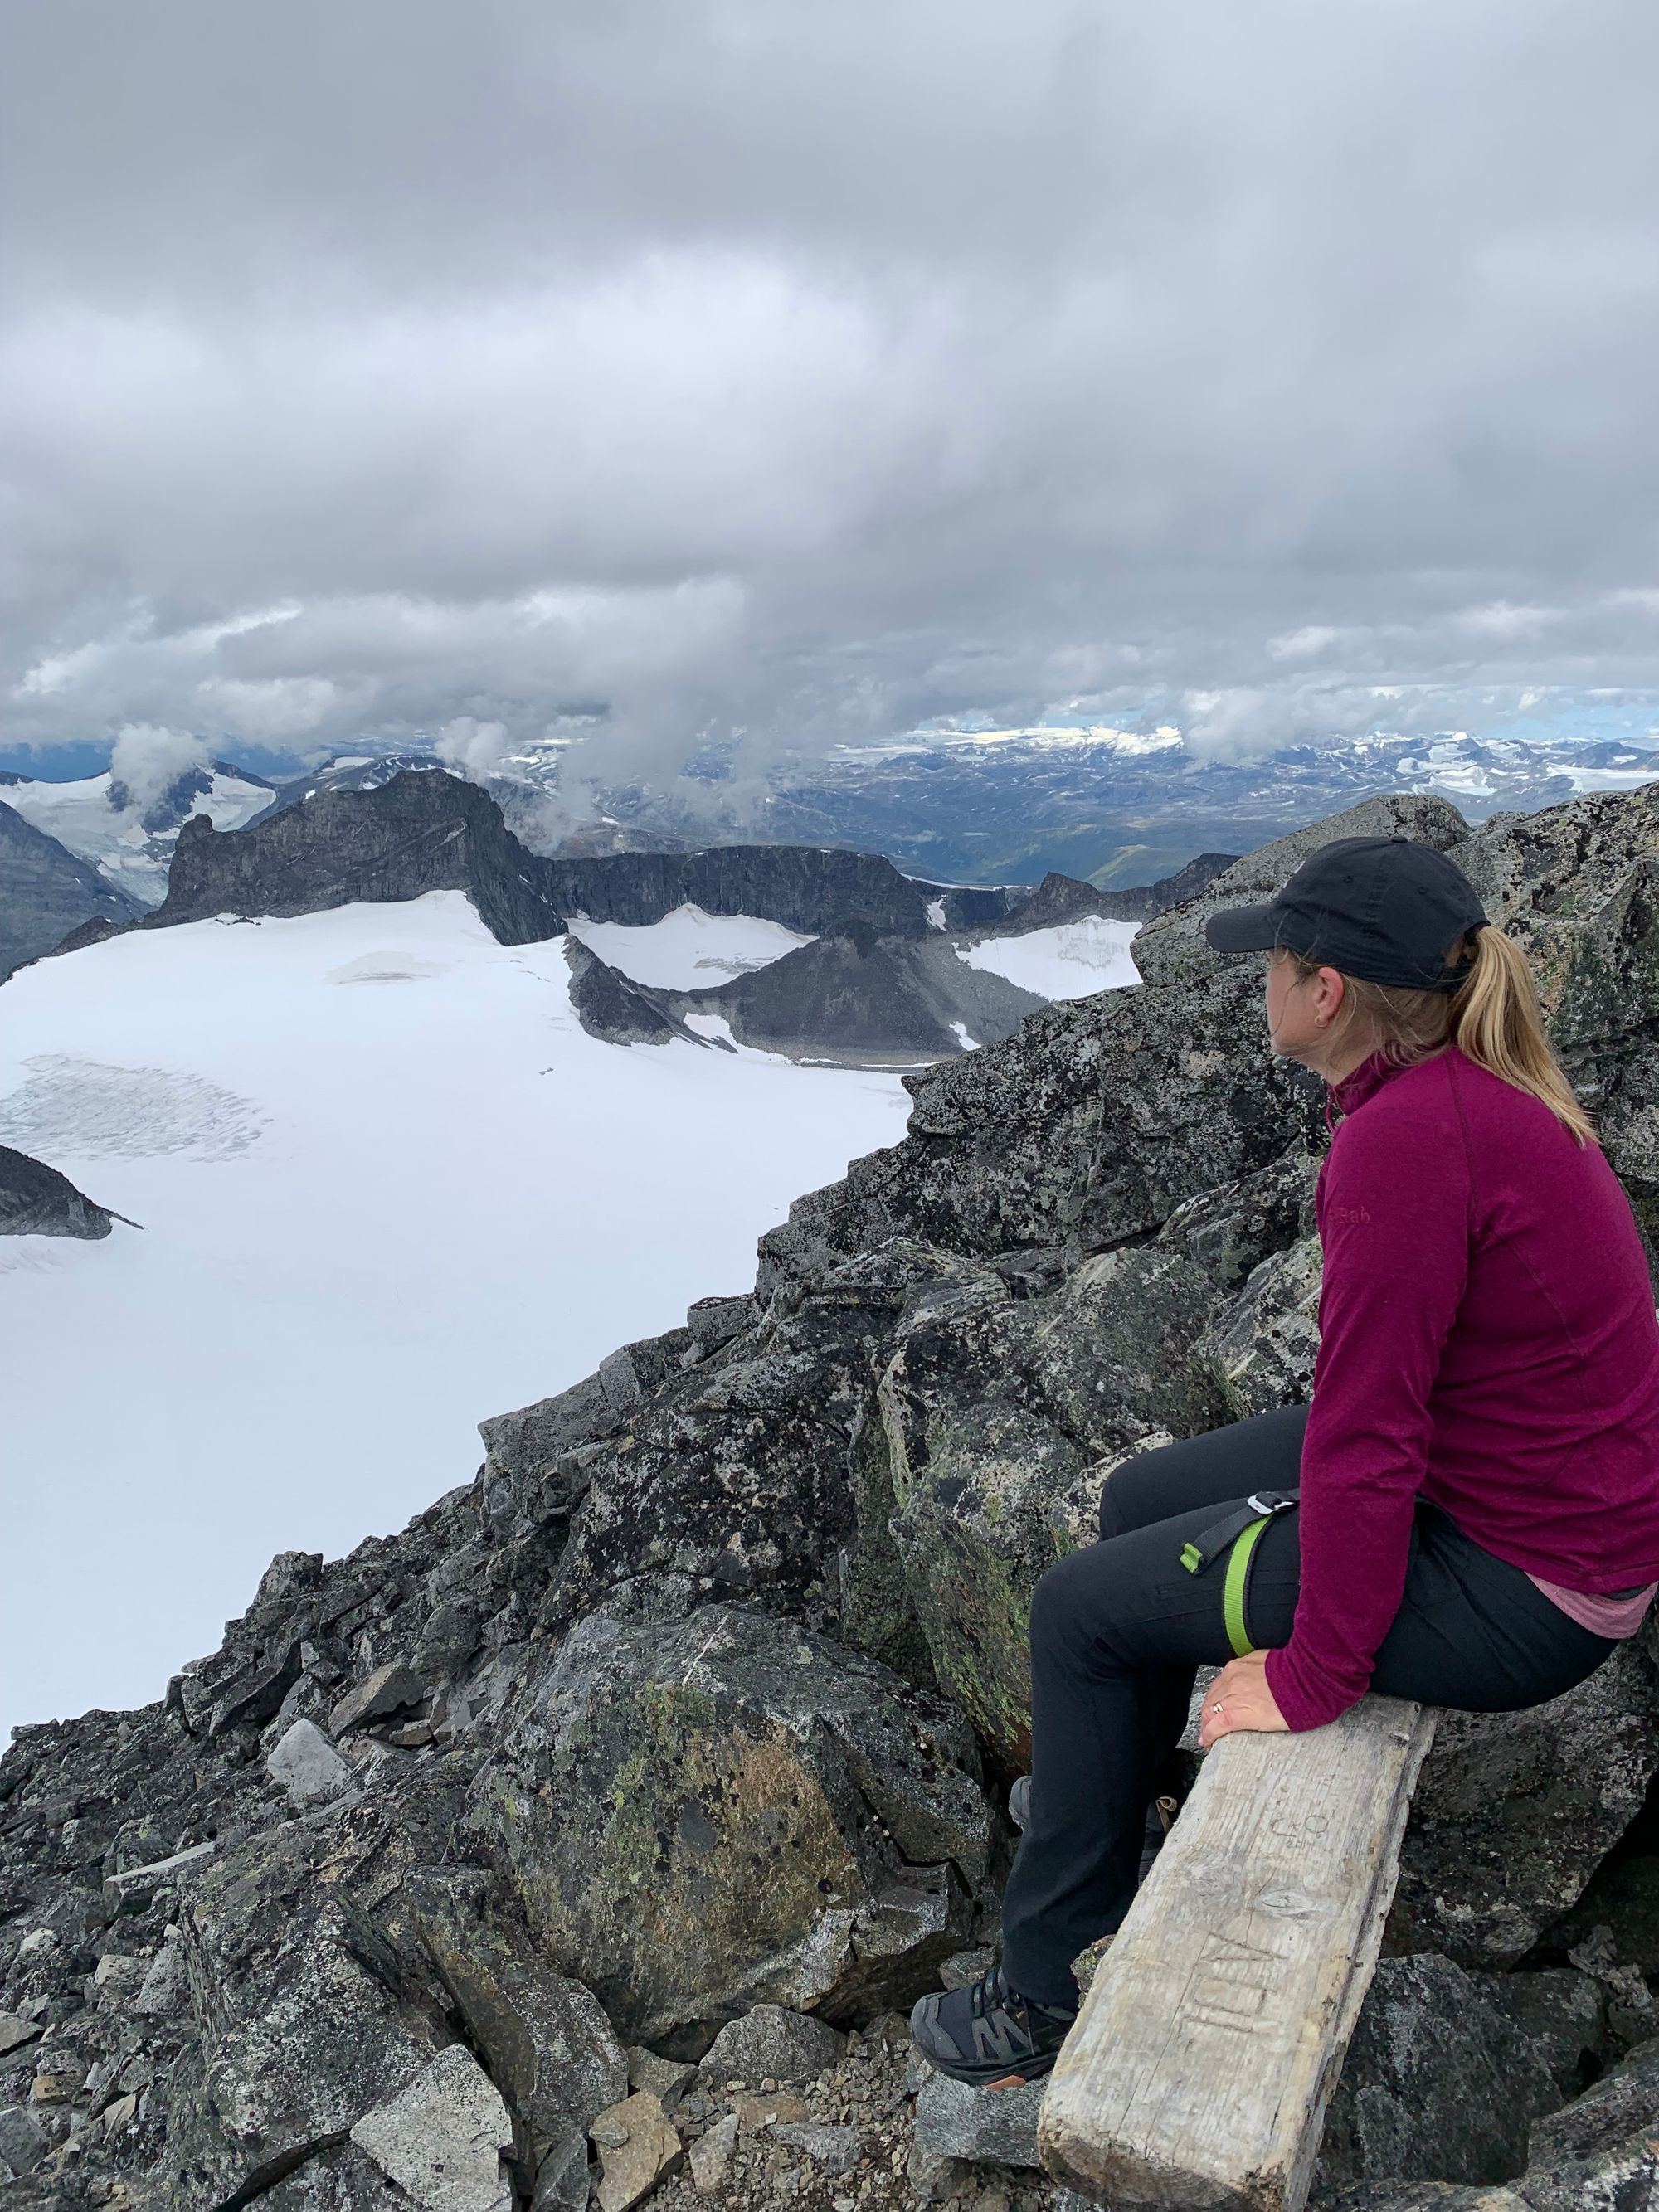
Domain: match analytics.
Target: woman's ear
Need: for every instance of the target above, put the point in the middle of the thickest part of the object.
(1333, 989)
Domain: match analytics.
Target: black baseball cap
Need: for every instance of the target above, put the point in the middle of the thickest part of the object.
(1385, 908)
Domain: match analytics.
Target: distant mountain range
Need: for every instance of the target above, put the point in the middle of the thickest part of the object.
(1115, 806)
(1112, 807)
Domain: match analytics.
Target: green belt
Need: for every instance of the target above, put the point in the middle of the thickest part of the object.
(1238, 1536)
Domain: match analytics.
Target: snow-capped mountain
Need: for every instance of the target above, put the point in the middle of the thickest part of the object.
(46, 891)
(128, 838)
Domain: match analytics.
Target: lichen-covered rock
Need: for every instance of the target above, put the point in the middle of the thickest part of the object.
(991, 1408)
(343, 2179)
(302, 2024)
(1231, 1230)
(1260, 1349)
(705, 1813)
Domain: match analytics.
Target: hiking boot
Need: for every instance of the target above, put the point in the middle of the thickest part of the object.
(988, 2035)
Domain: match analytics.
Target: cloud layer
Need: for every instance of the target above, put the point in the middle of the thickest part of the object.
(664, 368)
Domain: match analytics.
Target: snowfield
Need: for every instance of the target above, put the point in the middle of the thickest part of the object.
(689, 949)
(1072, 961)
(388, 1186)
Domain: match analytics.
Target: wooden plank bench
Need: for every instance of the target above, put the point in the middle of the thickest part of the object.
(1197, 2076)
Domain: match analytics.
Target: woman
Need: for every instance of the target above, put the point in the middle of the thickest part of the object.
(1478, 1473)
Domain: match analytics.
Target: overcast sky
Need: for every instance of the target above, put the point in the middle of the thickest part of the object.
(813, 371)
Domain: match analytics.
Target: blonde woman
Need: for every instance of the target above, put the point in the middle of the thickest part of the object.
(1468, 1512)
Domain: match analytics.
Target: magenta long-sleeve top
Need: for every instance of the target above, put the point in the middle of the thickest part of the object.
(1487, 1341)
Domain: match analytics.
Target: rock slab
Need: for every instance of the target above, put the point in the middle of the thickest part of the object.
(443, 2138)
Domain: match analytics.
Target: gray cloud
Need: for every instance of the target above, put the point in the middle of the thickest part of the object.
(694, 366)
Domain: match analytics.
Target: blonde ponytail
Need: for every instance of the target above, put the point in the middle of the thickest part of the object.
(1496, 1021)
(1492, 1015)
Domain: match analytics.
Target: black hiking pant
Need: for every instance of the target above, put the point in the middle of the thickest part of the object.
(1120, 1629)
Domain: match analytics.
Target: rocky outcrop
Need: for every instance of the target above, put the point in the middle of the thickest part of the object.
(612, 1005)
(706, 1813)
(35, 1200)
(867, 1000)
(699, 1698)
(1058, 899)
(45, 892)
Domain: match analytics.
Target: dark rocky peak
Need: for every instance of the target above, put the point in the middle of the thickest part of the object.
(613, 1006)
(35, 1200)
(418, 833)
(422, 829)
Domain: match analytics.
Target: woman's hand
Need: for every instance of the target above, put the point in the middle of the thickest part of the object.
(1239, 1699)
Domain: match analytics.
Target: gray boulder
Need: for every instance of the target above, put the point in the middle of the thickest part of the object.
(308, 1766)
(1439, 2080)
(302, 2023)
(1514, 1812)
(343, 2179)
(444, 2137)
(771, 2044)
(703, 1815)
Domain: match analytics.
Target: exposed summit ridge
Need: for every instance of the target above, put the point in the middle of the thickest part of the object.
(697, 1697)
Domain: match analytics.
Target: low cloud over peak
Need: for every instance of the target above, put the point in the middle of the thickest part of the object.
(704, 369)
